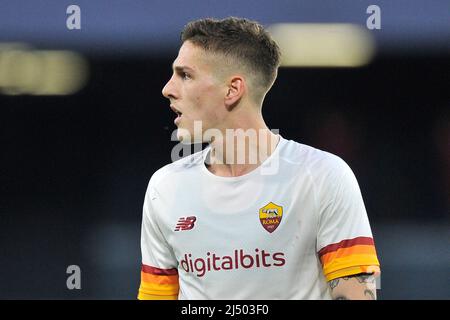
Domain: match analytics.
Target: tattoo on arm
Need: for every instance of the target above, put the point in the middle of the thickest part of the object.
(365, 278)
(333, 283)
(362, 278)
(370, 294)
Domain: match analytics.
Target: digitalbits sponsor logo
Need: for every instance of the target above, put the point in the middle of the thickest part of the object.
(238, 260)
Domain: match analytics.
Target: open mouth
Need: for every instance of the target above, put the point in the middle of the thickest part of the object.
(178, 112)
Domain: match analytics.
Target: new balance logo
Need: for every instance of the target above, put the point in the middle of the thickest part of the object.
(185, 223)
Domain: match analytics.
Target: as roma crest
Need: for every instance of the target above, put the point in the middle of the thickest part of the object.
(270, 216)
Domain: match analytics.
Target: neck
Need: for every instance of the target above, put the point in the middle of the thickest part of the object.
(243, 147)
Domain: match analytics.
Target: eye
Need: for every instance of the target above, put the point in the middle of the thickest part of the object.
(185, 76)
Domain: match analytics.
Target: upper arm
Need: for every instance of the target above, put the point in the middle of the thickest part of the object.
(357, 287)
(345, 245)
(159, 273)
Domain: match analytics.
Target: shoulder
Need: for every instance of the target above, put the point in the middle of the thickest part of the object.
(172, 171)
(318, 163)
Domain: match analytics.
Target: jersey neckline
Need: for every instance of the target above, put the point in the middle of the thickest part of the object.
(265, 163)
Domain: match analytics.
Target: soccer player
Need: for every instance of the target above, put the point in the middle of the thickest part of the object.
(219, 224)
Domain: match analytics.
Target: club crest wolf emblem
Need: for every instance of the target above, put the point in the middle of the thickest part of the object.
(270, 216)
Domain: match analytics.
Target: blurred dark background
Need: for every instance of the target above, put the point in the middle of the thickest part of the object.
(74, 168)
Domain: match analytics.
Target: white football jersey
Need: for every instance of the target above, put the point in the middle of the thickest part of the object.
(280, 231)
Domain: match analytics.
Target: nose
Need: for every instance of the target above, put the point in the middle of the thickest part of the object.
(169, 89)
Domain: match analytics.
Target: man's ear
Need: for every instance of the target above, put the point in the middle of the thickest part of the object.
(235, 91)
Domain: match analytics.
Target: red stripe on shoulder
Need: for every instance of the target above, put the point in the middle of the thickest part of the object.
(345, 244)
(158, 271)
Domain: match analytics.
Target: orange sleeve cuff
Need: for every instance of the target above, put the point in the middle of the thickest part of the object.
(350, 271)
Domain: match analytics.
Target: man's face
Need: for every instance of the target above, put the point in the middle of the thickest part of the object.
(195, 91)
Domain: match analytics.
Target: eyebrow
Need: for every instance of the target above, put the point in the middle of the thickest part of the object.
(181, 68)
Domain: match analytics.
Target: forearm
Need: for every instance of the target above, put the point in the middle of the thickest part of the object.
(357, 287)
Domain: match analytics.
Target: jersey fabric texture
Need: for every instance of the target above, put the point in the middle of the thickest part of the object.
(280, 231)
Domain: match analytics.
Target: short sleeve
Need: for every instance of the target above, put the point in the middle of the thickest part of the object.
(159, 273)
(345, 244)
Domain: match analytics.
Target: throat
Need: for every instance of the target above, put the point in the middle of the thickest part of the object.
(239, 156)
